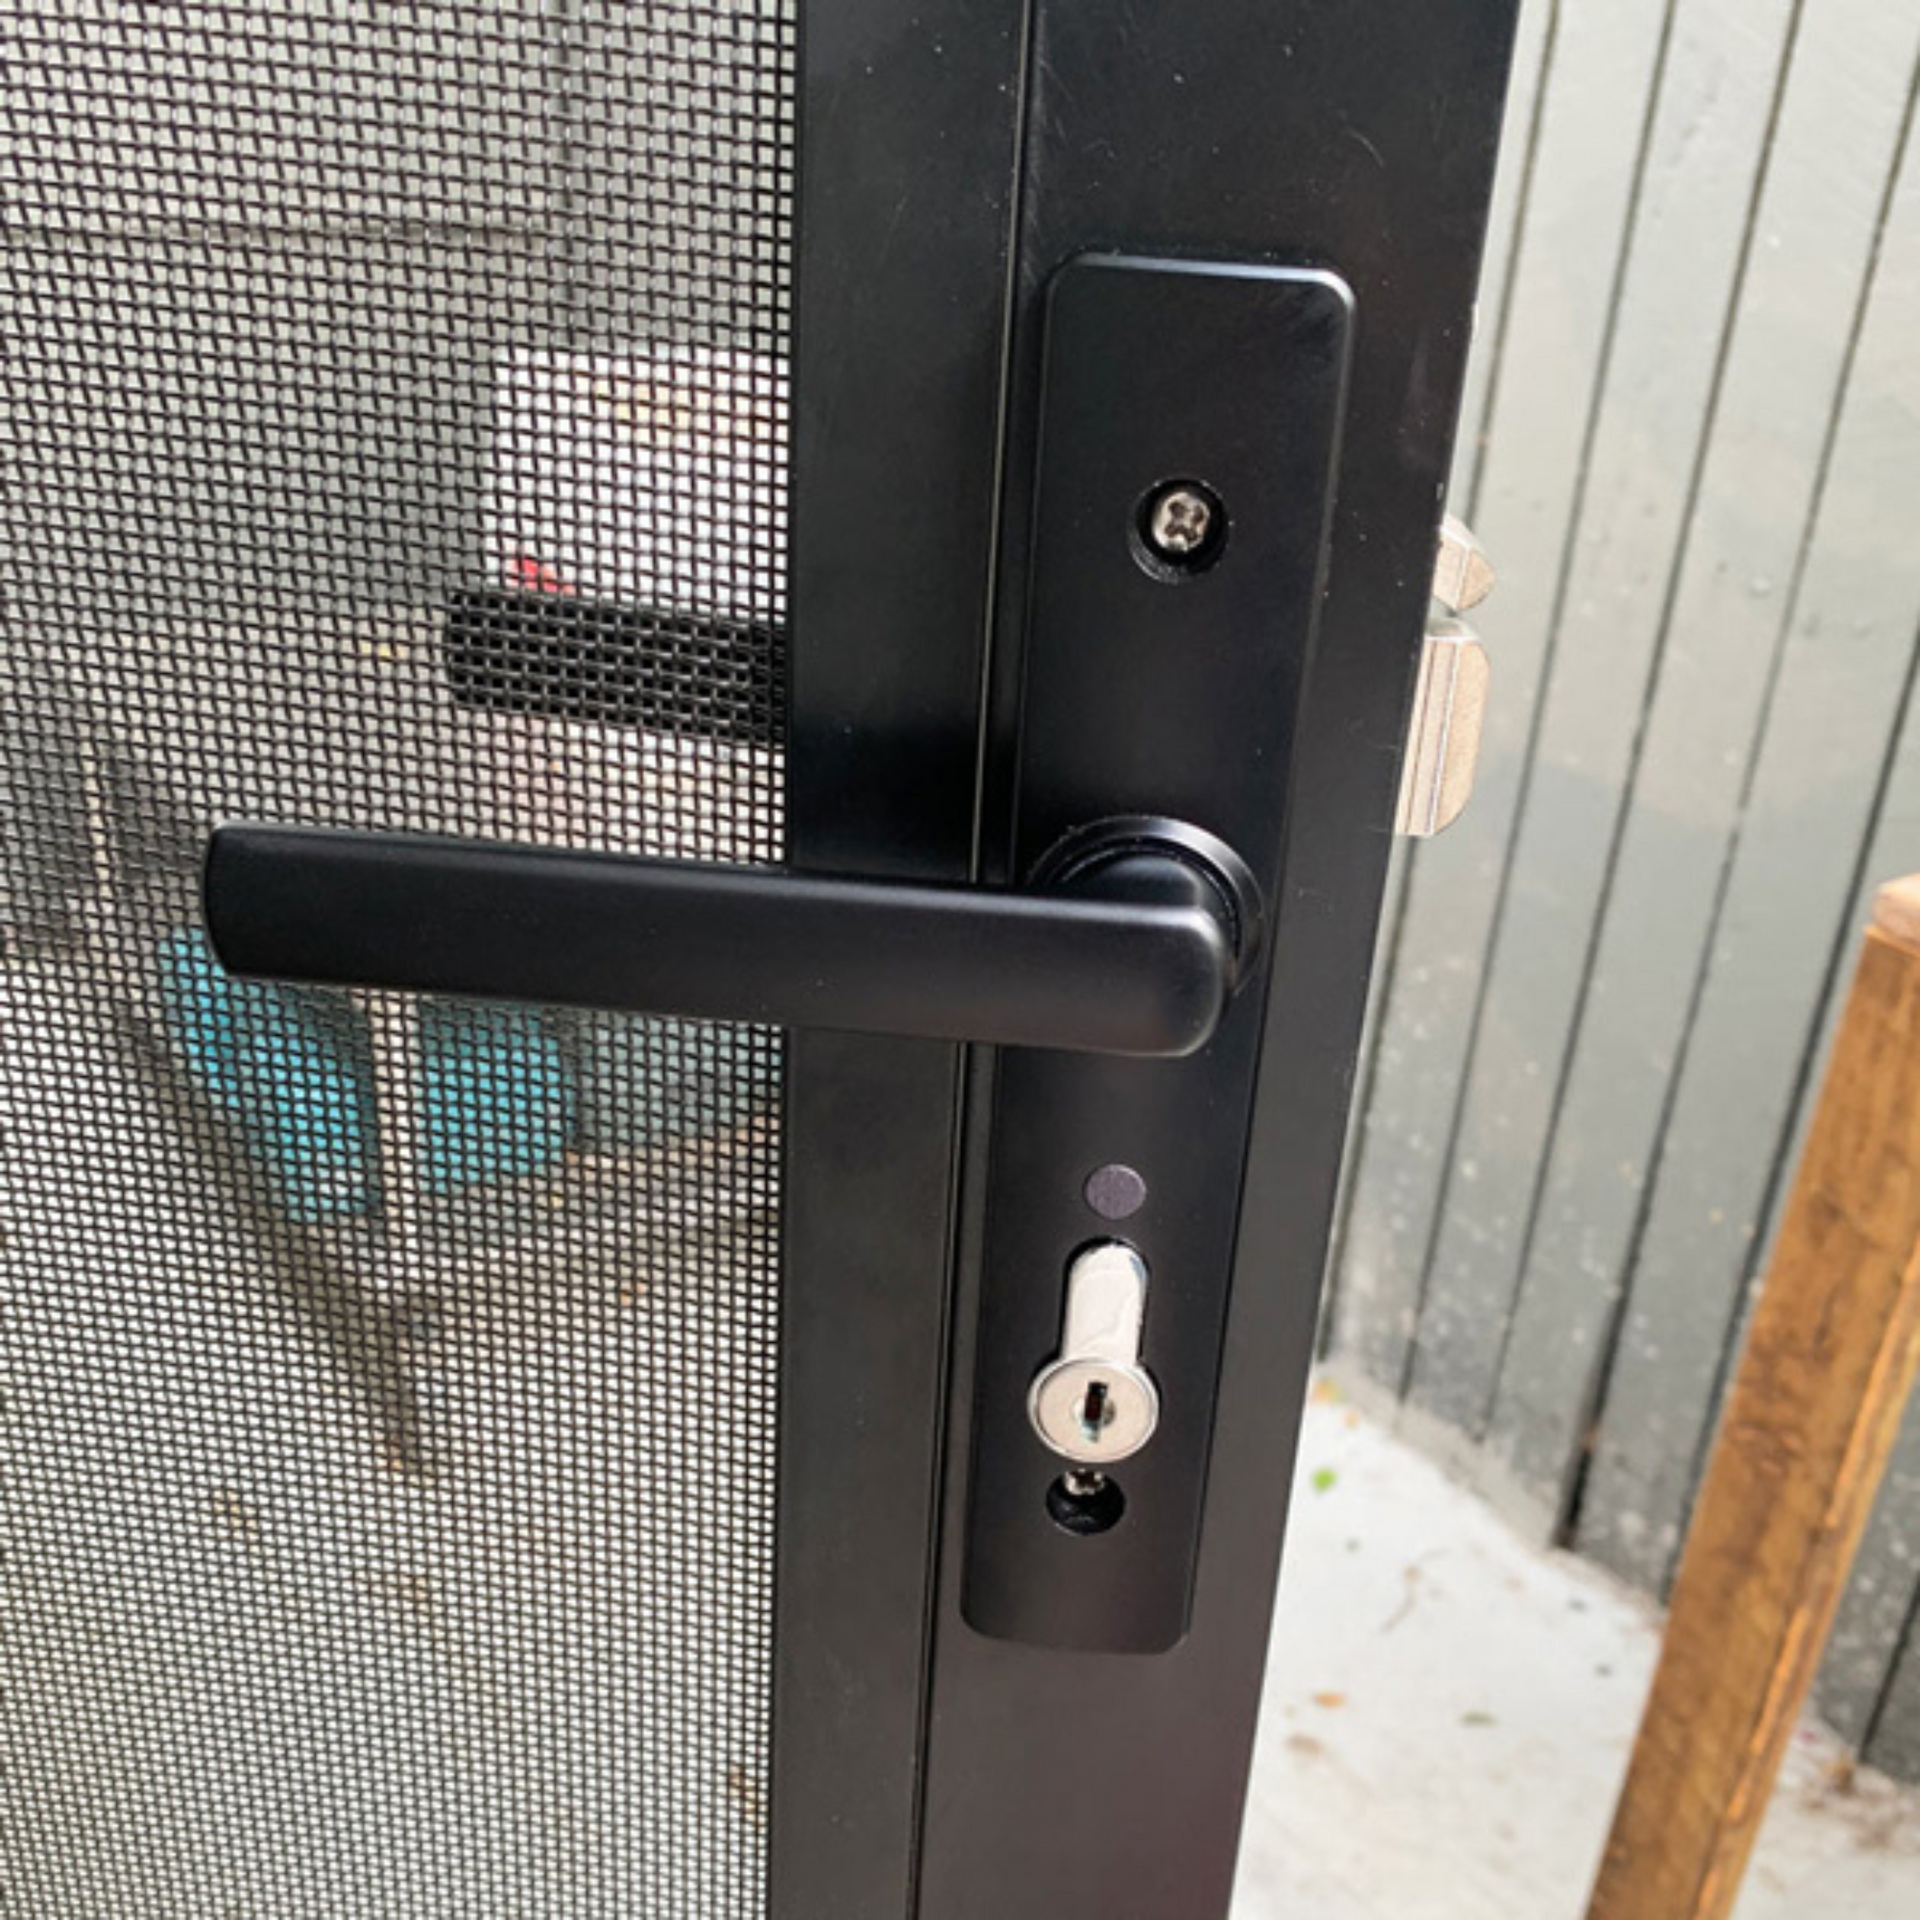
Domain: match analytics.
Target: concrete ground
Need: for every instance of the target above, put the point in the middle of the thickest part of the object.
(1448, 1714)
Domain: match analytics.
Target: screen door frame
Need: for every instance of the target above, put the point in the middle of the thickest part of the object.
(950, 158)
(949, 162)
(909, 140)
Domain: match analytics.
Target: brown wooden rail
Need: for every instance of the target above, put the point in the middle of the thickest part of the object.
(1809, 1423)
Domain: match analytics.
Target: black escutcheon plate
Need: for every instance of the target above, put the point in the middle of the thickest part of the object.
(1149, 690)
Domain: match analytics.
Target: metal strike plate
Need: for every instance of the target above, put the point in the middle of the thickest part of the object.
(1462, 573)
(1443, 736)
(1189, 420)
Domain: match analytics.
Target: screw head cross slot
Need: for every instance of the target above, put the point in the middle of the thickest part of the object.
(1181, 527)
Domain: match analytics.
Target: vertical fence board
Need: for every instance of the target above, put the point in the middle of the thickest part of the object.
(1533, 51)
(1688, 254)
(1896, 1746)
(1825, 743)
(1579, 212)
(1838, 137)
(1604, 998)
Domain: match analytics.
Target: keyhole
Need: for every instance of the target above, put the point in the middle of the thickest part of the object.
(1085, 1503)
(1096, 1410)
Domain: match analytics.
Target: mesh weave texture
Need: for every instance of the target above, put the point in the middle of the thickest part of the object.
(395, 437)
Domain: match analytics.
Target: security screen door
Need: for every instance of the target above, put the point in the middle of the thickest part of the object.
(701, 709)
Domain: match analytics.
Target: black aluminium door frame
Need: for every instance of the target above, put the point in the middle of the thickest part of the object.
(1359, 138)
(908, 155)
(950, 161)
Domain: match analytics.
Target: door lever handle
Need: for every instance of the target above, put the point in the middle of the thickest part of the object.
(1130, 941)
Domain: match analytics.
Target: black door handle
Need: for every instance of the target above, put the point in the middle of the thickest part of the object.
(1131, 940)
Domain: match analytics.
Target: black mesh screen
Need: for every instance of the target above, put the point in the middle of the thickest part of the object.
(395, 436)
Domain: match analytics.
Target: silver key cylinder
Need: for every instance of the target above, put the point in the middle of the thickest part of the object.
(1094, 1403)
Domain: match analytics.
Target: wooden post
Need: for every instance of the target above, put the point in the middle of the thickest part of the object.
(1804, 1440)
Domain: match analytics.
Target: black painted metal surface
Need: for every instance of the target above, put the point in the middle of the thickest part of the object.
(908, 130)
(1151, 689)
(1361, 139)
(918, 1764)
(1132, 955)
